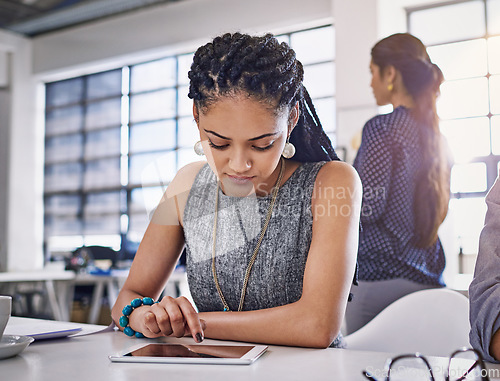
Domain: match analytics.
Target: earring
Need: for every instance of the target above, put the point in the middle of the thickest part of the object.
(390, 86)
(198, 148)
(288, 150)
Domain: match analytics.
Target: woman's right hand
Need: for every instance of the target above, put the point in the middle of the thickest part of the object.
(170, 317)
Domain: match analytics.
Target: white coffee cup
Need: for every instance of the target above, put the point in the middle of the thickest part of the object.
(5, 310)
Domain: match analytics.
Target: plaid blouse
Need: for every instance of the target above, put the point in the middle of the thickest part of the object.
(387, 162)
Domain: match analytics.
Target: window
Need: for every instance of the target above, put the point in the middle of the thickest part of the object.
(469, 106)
(114, 140)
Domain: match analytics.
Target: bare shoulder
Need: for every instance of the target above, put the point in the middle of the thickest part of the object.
(338, 174)
(171, 207)
(184, 179)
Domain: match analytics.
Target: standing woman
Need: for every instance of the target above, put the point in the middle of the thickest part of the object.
(403, 166)
(271, 250)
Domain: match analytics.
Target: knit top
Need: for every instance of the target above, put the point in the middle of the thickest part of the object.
(277, 275)
(388, 160)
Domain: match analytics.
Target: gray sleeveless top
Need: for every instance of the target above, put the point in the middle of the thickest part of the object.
(277, 274)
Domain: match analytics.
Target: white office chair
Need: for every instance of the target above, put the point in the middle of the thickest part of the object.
(433, 322)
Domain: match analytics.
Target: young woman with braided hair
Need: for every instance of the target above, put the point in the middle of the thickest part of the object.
(404, 167)
(270, 222)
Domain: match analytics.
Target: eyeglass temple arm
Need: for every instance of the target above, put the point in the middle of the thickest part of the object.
(369, 376)
(479, 361)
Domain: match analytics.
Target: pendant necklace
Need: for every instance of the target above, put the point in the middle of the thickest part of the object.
(256, 250)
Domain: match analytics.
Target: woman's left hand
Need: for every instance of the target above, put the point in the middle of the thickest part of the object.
(171, 317)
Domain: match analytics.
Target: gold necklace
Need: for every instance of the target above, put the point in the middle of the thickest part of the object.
(254, 255)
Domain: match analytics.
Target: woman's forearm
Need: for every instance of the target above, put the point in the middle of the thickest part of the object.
(292, 324)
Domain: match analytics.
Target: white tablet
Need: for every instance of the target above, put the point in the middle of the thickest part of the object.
(191, 354)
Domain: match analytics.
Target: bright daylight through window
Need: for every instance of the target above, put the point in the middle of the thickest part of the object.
(463, 39)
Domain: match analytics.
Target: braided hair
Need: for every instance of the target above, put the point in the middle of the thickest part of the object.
(269, 72)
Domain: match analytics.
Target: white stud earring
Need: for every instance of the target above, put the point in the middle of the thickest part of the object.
(288, 150)
(198, 148)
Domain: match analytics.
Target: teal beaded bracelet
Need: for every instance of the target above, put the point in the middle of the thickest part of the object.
(127, 310)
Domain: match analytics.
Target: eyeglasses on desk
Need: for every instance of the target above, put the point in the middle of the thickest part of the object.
(465, 364)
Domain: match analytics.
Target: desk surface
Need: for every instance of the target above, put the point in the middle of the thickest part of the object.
(86, 358)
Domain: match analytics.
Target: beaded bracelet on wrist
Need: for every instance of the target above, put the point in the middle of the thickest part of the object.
(127, 310)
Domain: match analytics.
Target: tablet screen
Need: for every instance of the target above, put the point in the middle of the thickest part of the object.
(178, 350)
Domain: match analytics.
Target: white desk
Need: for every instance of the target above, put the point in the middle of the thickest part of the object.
(56, 284)
(86, 358)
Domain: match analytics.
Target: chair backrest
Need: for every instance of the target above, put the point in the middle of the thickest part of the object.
(433, 322)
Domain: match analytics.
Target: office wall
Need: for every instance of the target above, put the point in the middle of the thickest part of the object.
(4, 152)
(4, 172)
(356, 32)
(21, 144)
